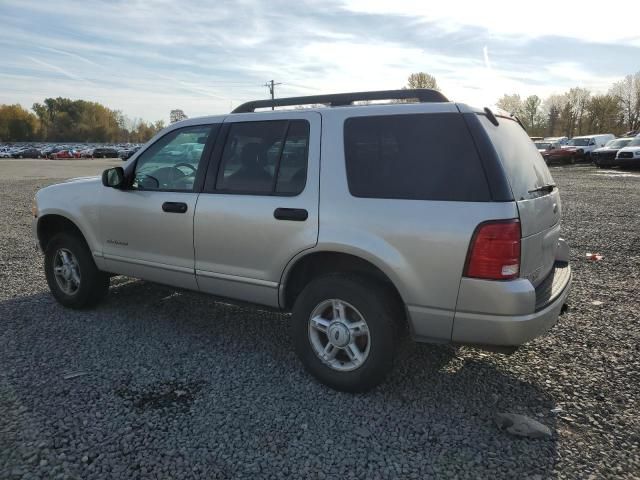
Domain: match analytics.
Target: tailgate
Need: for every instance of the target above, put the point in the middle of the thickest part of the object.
(539, 210)
(540, 225)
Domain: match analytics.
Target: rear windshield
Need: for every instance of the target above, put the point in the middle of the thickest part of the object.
(523, 164)
(413, 156)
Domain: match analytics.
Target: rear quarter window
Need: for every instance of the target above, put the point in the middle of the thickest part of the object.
(416, 156)
(523, 164)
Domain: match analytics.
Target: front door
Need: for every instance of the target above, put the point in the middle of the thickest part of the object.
(147, 229)
(259, 207)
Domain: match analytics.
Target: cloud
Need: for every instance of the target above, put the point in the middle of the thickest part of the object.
(485, 52)
(146, 58)
(61, 70)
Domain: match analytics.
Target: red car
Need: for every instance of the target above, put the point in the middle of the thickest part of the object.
(66, 154)
(560, 155)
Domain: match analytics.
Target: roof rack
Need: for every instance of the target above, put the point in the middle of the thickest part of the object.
(423, 95)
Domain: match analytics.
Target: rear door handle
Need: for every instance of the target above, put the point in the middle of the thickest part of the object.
(174, 207)
(294, 214)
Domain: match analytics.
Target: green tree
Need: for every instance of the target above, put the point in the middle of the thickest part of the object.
(603, 115)
(63, 119)
(532, 115)
(17, 124)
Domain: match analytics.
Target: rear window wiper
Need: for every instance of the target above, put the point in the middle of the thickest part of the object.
(544, 188)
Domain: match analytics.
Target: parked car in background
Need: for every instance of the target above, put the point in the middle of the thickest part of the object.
(544, 147)
(560, 140)
(535, 139)
(629, 156)
(126, 153)
(86, 153)
(632, 133)
(585, 144)
(606, 156)
(62, 154)
(49, 152)
(26, 152)
(559, 155)
(105, 152)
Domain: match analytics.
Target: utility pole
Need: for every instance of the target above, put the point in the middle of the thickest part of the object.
(271, 86)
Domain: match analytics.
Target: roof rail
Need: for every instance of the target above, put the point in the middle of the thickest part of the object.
(423, 95)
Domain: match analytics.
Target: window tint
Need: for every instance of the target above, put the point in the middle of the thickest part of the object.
(422, 157)
(173, 161)
(523, 164)
(265, 158)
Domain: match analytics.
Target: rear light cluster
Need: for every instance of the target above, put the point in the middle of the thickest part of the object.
(494, 252)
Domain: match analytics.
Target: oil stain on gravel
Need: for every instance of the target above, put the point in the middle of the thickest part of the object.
(169, 396)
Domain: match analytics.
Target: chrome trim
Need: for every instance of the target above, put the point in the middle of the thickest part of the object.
(235, 278)
(162, 266)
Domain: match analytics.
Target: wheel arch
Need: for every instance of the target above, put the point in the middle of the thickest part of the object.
(53, 223)
(314, 263)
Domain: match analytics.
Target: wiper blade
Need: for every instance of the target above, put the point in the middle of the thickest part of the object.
(544, 188)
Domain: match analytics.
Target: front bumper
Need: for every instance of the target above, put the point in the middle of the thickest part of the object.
(627, 162)
(509, 329)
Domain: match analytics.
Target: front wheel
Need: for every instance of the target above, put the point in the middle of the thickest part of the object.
(72, 275)
(345, 331)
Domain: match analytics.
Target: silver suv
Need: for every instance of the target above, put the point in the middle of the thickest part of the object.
(364, 221)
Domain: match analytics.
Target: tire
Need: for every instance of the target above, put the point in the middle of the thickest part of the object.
(377, 343)
(93, 284)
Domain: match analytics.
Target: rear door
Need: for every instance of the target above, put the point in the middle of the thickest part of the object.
(540, 211)
(259, 207)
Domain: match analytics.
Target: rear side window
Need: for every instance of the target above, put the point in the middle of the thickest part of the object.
(523, 164)
(265, 158)
(419, 157)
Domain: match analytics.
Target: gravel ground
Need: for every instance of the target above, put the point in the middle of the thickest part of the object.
(158, 383)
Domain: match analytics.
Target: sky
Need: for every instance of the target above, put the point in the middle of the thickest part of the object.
(206, 57)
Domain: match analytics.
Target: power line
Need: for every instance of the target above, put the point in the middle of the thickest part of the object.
(271, 86)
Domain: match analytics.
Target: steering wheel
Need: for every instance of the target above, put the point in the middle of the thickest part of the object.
(184, 164)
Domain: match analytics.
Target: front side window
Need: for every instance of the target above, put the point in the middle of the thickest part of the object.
(173, 161)
(265, 158)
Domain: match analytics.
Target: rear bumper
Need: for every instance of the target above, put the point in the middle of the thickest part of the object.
(516, 329)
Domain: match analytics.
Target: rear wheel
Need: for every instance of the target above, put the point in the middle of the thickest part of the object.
(72, 275)
(345, 331)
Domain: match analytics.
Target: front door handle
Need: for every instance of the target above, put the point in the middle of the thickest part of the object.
(174, 207)
(293, 214)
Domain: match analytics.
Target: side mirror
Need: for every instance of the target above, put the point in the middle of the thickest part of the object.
(113, 177)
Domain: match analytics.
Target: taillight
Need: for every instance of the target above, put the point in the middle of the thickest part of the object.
(494, 253)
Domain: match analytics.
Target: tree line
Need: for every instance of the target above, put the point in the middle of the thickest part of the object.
(575, 112)
(580, 111)
(65, 120)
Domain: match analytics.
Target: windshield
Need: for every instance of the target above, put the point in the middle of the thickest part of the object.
(543, 146)
(634, 143)
(621, 142)
(579, 142)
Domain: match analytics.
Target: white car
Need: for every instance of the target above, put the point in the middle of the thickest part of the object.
(629, 156)
(585, 144)
(560, 140)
